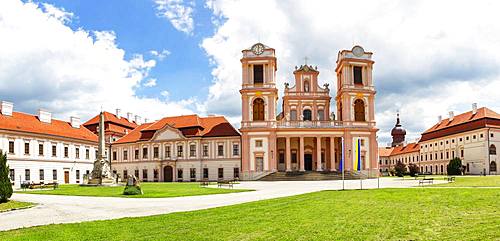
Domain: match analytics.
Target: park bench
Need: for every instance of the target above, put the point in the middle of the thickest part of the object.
(450, 179)
(426, 180)
(222, 183)
(204, 182)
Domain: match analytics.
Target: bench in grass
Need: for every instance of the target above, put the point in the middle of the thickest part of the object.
(425, 180)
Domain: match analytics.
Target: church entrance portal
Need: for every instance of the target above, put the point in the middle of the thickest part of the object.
(167, 174)
(308, 163)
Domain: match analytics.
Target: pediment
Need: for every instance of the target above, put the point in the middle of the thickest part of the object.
(167, 133)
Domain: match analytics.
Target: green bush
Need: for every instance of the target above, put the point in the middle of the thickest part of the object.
(413, 168)
(454, 166)
(132, 190)
(5, 185)
(400, 169)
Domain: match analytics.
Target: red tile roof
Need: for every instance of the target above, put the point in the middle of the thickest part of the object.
(109, 117)
(411, 147)
(384, 151)
(31, 124)
(189, 125)
(464, 122)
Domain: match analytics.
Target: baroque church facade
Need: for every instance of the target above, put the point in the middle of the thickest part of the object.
(308, 134)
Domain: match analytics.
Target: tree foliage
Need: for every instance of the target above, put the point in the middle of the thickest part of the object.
(400, 169)
(413, 168)
(454, 166)
(5, 185)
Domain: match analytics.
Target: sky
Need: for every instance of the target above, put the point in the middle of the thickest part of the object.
(156, 58)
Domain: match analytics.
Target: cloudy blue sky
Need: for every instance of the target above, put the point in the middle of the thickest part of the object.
(171, 57)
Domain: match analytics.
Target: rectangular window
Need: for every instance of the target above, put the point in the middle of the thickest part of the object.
(474, 137)
(136, 154)
(294, 156)
(54, 150)
(114, 155)
(125, 154)
(258, 143)
(220, 150)
(357, 73)
(155, 175)
(40, 149)
(180, 172)
(136, 173)
(321, 115)
(293, 115)
(462, 153)
(192, 174)
(452, 154)
(77, 152)
(125, 174)
(205, 173)
(220, 173)
(54, 175)
(77, 176)
(156, 152)
(236, 172)
(258, 74)
(87, 154)
(481, 135)
(167, 151)
(447, 155)
(144, 153)
(12, 174)
(144, 175)
(205, 150)
(179, 151)
(11, 147)
(42, 175)
(192, 150)
(66, 152)
(27, 174)
(26, 148)
(236, 149)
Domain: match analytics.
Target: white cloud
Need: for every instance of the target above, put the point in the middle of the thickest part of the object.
(58, 13)
(150, 82)
(178, 12)
(431, 56)
(165, 93)
(46, 64)
(160, 54)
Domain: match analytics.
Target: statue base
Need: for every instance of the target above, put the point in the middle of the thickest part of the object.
(104, 181)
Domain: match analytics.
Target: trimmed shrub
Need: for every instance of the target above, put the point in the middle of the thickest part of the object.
(400, 169)
(132, 190)
(5, 185)
(454, 166)
(413, 168)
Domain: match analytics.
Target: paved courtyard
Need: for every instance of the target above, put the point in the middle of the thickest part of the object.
(69, 209)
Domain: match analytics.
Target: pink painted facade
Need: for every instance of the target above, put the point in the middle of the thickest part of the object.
(307, 134)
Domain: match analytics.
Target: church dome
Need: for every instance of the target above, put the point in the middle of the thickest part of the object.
(398, 134)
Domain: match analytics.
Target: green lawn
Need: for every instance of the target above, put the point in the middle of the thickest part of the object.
(10, 205)
(384, 214)
(151, 190)
(476, 181)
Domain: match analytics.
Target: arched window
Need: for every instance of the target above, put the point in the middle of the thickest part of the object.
(306, 86)
(493, 166)
(493, 150)
(307, 115)
(258, 109)
(359, 110)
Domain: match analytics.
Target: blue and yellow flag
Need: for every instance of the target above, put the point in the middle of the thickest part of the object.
(357, 154)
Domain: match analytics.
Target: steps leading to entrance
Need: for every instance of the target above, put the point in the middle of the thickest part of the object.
(311, 176)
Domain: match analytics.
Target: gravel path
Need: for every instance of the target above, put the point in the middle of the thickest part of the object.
(70, 209)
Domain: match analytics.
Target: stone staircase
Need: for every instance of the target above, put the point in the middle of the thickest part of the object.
(311, 176)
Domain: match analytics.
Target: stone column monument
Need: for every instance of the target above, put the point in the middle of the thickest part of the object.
(101, 174)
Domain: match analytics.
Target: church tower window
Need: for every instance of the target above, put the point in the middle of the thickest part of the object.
(357, 72)
(258, 109)
(306, 86)
(321, 115)
(293, 115)
(258, 74)
(359, 110)
(307, 115)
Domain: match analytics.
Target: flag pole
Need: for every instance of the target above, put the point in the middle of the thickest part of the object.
(342, 163)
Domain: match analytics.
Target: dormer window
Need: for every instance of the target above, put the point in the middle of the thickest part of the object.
(357, 73)
(258, 74)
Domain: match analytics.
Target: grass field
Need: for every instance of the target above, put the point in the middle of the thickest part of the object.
(4, 207)
(475, 181)
(384, 214)
(151, 190)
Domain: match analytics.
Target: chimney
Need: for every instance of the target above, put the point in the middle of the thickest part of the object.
(118, 113)
(440, 118)
(451, 115)
(44, 116)
(137, 119)
(474, 108)
(130, 116)
(75, 121)
(6, 108)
